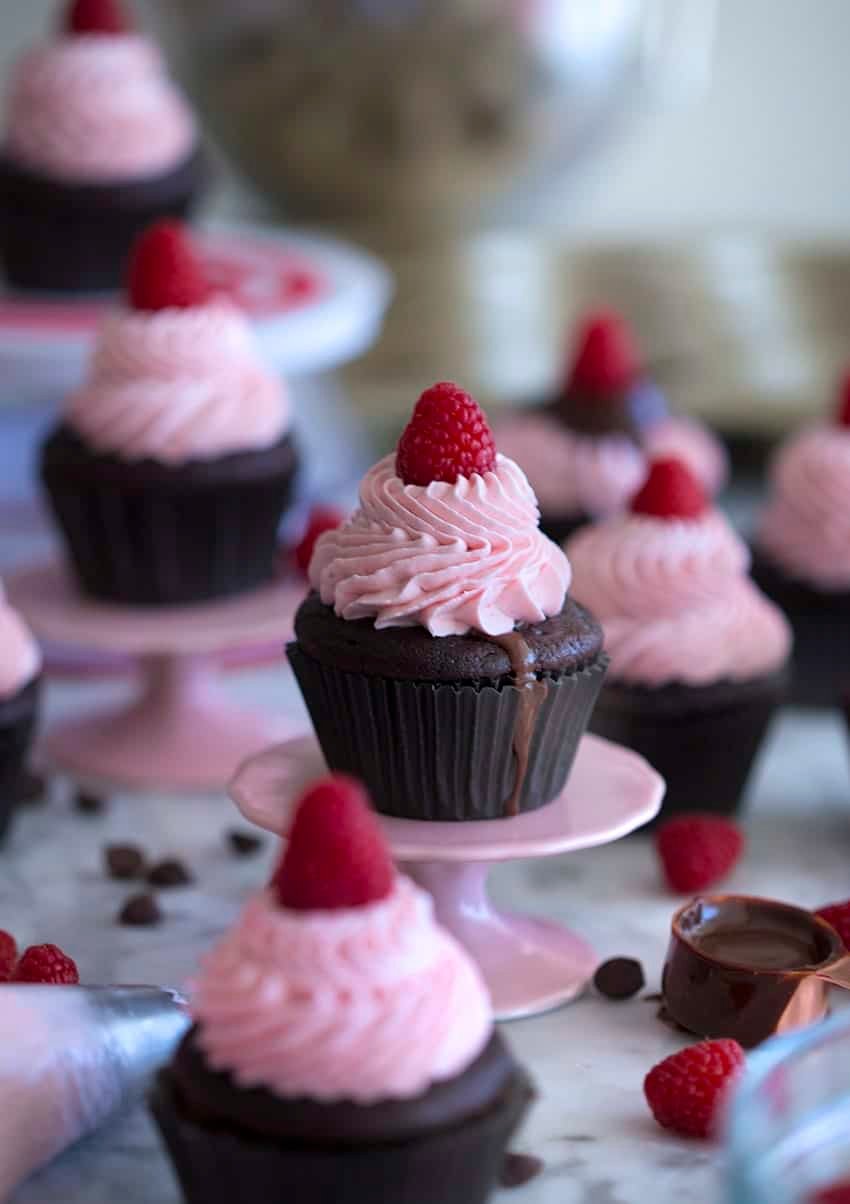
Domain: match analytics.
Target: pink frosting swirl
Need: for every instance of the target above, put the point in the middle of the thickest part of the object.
(675, 601)
(451, 557)
(372, 1003)
(805, 527)
(178, 385)
(694, 444)
(20, 657)
(97, 108)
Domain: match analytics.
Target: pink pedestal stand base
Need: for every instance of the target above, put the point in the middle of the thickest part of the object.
(180, 732)
(530, 964)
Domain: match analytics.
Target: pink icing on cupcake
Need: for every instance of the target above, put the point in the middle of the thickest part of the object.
(20, 658)
(451, 557)
(673, 593)
(349, 989)
(805, 527)
(94, 108)
(180, 382)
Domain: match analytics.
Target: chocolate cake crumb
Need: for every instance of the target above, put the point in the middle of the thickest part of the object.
(124, 861)
(89, 804)
(140, 911)
(619, 978)
(31, 788)
(170, 872)
(519, 1169)
(244, 844)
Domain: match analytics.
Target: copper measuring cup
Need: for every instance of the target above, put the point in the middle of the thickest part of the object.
(747, 968)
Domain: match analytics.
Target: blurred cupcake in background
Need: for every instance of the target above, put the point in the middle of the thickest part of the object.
(586, 450)
(172, 465)
(20, 669)
(802, 551)
(343, 1047)
(698, 654)
(98, 143)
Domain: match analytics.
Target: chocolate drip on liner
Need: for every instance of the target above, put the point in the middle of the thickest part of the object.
(532, 692)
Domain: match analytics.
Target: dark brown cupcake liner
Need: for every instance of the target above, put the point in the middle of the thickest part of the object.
(446, 751)
(147, 535)
(57, 236)
(18, 716)
(457, 1166)
(703, 740)
(560, 528)
(821, 624)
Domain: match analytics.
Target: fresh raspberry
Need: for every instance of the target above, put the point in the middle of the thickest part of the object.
(842, 413)
(336, 855)
(670, 491)
(838, 915)
(8, 955)
(47, 964)
(605, 361)
(697, 850)
(447, 437)
(322, 518)
(685, 1091)
(96, 16)
(163, 271)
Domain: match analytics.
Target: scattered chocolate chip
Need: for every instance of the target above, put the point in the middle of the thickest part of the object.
(619, 978)
(170, 872)
(124, 861)
(519, 1169)
(89, 804)
(140, 911)
(31, 788)
(244, 844)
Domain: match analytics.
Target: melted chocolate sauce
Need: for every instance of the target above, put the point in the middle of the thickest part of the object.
(532, 692)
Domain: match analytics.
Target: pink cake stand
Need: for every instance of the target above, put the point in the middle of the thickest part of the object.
(530, 964)
(180, 732)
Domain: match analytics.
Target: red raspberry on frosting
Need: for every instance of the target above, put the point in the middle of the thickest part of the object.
(697, 850)
(96, 16)
(8, 955)
(686, 1090)
(336, 856)
(838, 915)
(46, 964)
(605, 360)
(670, 491)
(164, 272)
(447, 437)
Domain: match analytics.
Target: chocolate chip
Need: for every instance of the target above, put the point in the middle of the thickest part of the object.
(619, 978)
(88, 803)
(124, 861)
(244, 844)
(170, 872)
(140, 911)
(519, 1169)
(31, 788)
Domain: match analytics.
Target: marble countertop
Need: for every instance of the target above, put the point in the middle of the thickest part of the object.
(590, 1124)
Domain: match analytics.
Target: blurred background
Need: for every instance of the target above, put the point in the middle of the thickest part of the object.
(516, 160)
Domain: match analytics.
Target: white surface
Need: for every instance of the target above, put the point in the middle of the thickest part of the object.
(590, 1123)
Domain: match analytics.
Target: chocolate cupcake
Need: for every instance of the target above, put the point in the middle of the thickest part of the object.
(801, 555)
(171, 467)
(698, 654)
(440, 657)
(98, 144)
(343, 1047)
(587, 448)
(20, 665)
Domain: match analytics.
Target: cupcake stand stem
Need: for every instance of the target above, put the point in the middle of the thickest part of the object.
(530, 964)
(180, 731)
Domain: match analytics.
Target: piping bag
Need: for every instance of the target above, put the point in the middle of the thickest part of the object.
(71, 1057)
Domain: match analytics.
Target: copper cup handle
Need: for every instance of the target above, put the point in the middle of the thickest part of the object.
(837, 973)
